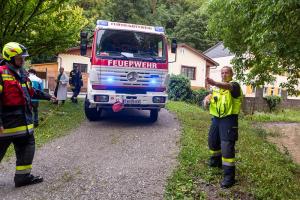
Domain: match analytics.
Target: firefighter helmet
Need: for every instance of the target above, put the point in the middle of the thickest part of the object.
(12, 49)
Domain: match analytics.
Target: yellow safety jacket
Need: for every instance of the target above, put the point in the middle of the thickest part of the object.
(223, 104)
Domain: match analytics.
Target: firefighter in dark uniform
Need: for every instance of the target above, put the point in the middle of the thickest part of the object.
(16, 122)
(76, 83)
(224, 105)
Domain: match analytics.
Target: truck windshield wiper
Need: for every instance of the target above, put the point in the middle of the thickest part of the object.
(147, 55)
(114, 53)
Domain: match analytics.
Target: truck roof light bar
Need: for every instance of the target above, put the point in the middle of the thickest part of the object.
(102, 23)
(159, 29)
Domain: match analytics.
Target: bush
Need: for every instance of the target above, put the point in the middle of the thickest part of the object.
(272, 101)
(179, 88)
(198, 96)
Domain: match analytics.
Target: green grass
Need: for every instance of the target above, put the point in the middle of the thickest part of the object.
(286, 115)
(55, 121)
(262, 171)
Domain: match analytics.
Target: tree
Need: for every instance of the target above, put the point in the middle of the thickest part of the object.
(130, 11)
(184, 19)
(44, 26)
(93, 10)
(264, 36)
(169, 12)
(192, 28)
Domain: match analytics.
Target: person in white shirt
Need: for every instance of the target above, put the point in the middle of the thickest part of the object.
(62, 86)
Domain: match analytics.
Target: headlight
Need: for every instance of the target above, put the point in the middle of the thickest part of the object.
(157, 99)
(101, 98)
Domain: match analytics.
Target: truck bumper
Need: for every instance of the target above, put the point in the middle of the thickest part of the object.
(146, 101)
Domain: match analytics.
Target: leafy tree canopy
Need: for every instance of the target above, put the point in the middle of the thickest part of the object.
(134, 11)
(184, 19)
(192, 28)
(50, 26)
(92, 10)
(43, 26)
(264, 35)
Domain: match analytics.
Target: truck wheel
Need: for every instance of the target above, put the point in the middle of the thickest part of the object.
(153, 115)
(92, 114)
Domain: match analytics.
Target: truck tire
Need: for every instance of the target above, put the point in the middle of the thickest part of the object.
(92, 114)
(153, 115)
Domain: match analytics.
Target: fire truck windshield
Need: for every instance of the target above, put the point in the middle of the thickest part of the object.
(130, 44)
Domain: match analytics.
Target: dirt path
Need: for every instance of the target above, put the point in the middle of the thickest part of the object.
(287, 137)
(122, 157)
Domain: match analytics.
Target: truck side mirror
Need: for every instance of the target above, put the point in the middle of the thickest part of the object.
(174, 46)
(83, 43)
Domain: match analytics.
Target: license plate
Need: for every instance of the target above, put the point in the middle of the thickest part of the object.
(132, 101)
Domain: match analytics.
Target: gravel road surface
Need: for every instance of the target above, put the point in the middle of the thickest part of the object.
(120, 157)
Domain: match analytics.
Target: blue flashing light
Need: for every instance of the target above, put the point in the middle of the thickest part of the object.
(159, 29)
(110, 79)
(102, 22)
(153, 81)
(154, 76)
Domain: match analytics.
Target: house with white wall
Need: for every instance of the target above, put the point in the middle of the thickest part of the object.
(224, 57)
(71, 58)
(67, 59)
(191, 63)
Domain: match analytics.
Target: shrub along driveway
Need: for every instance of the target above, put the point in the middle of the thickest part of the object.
(122, 157)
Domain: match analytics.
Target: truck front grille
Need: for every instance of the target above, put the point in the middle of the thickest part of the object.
(121, 77)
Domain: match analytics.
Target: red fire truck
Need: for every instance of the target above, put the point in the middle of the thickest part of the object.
(129, 68)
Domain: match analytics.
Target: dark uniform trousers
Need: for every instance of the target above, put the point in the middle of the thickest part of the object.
(76, 92)
(76, 82)
(35, 109)
(222, 136)
(24, 148)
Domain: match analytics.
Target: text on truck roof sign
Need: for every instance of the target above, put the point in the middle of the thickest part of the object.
(125, 26)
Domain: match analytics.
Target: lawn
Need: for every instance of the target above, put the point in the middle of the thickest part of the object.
(262, 171)
(55, 121)
(286, 115)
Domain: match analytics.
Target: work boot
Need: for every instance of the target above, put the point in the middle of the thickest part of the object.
(229, 177)
(27, 179)
(215, 161)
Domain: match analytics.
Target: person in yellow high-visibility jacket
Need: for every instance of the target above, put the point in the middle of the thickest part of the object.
(224, 105)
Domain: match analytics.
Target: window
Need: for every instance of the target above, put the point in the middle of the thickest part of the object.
(250, 89)
(272, 91)
(265, 91)
(189, 72)
(115, 43)
(279, 92)
(81, 67)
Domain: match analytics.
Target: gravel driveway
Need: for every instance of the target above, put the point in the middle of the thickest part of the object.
(121, 157)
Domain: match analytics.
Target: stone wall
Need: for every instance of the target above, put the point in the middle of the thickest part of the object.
(258, 103)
